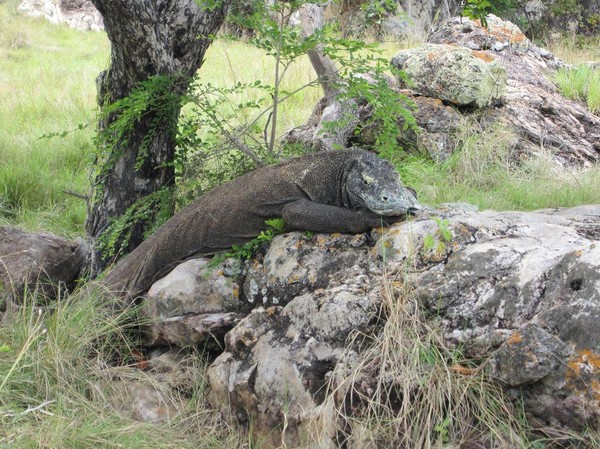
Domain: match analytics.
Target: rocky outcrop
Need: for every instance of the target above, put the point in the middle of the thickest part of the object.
(518, 292)
(37, 261)
(78, 14)
(541, 17)
(531, 105)
(196, 303)
(397, 19)
(485, 75)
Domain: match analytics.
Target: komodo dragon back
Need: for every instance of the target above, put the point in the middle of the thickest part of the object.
(334, 191)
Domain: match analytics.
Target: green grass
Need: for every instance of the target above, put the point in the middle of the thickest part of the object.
(57, 369)
(228, 63)
(581, 83)
(47, 86)
(576, 49)
(484, 172)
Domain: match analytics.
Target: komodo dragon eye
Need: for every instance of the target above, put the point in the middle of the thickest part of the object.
(366, 179)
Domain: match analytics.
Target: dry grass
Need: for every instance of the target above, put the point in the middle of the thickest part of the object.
(576, 49)
(64, 370)
(413, 390)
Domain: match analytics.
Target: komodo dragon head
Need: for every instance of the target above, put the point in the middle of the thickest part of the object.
(373, 183)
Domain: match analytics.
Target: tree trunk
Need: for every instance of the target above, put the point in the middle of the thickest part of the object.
(159, 38)
(311, 19)
(331, 108)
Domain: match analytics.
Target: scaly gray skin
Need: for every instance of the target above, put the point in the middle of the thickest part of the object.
(334, 191)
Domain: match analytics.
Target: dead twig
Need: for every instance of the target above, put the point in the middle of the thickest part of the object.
(38, 408)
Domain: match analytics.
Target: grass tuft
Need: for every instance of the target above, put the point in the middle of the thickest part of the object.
(581, 83)
(486, 171)
(413, 389)
(418, 392)
(56, 367)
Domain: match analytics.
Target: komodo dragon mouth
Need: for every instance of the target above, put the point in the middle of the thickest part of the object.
(376, 184)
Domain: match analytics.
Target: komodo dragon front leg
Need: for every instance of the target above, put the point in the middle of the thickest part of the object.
(306, 215)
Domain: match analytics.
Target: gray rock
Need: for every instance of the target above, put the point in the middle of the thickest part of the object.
(528, 355)
(277, 361)
(458, 75)
(437, 123)
(78, 14)
(48, 9)
(423, 14)
(194, 304)
(397, 27)
(297, 264)
(37, 261)
(531, 104)
(517, 290)
(520, 288)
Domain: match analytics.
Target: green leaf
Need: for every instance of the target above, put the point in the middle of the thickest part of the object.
(428, 242)
(276, 223)
(446, 234)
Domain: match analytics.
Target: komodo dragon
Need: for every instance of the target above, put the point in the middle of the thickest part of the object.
(332, 191)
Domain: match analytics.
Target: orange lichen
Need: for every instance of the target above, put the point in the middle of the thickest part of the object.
(583, 370)
(503, 33)
(271, 312)
(515, 337)
(293, 278)
(485, 57)
(508, 34)
(595, 387)
(585, 357)
(433, 102)
(431, 56)
(236, 292)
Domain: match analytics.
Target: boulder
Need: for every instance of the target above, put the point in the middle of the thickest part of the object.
(195, 304)
(456, 75)
(199, 302)
(531, 104)
(574, 17)
(78, 14)
(508, 77)
(516, 291)
(519, 289)
(48, 9)
(37, 261)
(467, 73)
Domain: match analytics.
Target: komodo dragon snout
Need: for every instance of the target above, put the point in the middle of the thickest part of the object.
(375, 185)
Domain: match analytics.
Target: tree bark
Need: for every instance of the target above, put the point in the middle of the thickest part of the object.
(331, 108)
(161, 37)
(311, 20)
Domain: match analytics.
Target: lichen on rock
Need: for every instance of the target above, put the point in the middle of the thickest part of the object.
(454, 74)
